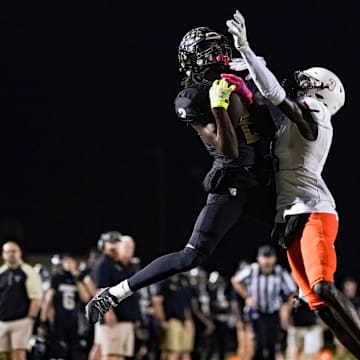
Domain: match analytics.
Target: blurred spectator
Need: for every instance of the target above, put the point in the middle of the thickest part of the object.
(148, 344)
(265, 286)
(45, 276)
(244, 333)
(189, 325)
(147, 336)
(349, 288)
(131, 308)
(86, 331)
(39, 344)
(65, 296)
(56, 266)
(88, 264)
(109, 249)
(220, 314)
(173, 313)
(116, 333)
(20, 301)
(200, 308)
(107, 245)
(305, 336)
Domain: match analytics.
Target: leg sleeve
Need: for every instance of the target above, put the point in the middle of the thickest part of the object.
(217, 217)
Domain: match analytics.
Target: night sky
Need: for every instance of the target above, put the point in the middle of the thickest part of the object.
(89, 138)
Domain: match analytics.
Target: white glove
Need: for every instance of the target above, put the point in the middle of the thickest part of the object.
(237, 28)
(239, 64)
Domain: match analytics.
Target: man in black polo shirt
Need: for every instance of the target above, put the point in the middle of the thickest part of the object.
(20, 299)
(116, 334)
(107, 246)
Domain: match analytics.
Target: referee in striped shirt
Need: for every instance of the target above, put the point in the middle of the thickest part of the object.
(265, 286)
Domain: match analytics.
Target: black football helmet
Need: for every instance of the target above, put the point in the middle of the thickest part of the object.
(203, 47)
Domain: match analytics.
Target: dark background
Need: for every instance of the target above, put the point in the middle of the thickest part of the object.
(89, 139)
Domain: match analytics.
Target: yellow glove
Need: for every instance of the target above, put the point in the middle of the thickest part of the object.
(220, 93)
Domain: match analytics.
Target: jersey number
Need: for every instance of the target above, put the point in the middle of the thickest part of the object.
(68, 300)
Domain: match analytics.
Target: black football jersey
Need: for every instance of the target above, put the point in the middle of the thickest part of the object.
(66, 300)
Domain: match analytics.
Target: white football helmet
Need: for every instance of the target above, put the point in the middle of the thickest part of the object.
(323, 85)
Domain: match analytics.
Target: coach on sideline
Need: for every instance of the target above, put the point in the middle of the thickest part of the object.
(20, 301)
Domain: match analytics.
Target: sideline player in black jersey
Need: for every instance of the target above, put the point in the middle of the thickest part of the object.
(64, 297)
(222, 116)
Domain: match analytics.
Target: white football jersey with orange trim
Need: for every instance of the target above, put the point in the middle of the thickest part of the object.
(300, 186)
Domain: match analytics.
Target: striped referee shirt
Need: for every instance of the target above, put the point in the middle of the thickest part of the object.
(269, 290)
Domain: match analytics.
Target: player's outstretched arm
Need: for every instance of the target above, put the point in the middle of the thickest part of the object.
(266, 82)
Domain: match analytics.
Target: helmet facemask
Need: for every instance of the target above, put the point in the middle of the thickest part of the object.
(213, 53)
(323, 85)
(307, 82)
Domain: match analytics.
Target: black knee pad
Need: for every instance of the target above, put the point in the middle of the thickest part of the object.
(326, 291)
(190, 258)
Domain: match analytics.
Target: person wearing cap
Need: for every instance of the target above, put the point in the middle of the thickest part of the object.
(115, 334)
(107, 245)
(265, 286)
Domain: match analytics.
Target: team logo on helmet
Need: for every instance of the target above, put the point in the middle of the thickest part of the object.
(331, 84)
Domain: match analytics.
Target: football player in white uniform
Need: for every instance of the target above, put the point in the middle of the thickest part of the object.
(307, 221)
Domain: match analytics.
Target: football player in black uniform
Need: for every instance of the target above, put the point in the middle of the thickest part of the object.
(64, 298)
(223, 117)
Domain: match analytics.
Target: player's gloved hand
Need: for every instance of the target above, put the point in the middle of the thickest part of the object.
(236, 27)
(241, 88)
(219, 93)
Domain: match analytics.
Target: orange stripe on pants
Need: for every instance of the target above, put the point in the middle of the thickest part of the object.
(311, 254)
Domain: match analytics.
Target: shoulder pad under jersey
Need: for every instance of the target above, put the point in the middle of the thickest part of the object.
(192, 104)
(317, 110)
